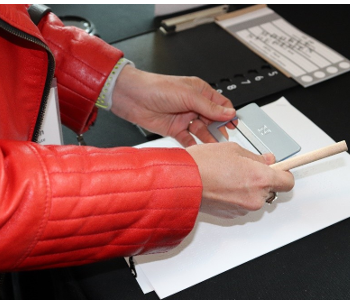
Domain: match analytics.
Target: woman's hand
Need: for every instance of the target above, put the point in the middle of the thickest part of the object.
(236, 180)
(170, 105)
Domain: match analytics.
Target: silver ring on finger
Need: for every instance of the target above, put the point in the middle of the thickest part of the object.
(190, 123)
(273, 196)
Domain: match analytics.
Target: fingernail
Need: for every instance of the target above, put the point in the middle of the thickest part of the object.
(229, 111)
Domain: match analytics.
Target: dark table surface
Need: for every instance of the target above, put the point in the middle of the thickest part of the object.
(315, 267)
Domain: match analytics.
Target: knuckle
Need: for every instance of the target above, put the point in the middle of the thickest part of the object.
(262, 180)
(196, 81)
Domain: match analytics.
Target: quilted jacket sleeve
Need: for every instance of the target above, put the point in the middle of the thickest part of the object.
(71, 205)
(83, 63)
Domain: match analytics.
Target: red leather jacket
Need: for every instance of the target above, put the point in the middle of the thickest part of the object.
(70, 205)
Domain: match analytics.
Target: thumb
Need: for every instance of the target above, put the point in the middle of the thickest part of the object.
(213, 111)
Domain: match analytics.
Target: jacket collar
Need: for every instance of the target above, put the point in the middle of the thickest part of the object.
(17, 16)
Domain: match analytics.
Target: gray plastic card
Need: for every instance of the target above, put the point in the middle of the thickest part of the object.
(261, 131)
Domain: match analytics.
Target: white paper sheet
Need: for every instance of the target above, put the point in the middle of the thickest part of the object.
(320, 198)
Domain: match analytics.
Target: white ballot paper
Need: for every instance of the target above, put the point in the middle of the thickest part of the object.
(319, 199)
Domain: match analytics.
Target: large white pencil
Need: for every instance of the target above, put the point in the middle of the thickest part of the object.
(309, 157)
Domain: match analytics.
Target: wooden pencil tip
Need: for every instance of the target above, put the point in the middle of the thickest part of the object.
(345, 145)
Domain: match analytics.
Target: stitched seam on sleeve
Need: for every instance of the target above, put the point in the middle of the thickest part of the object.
(127, 192)
(120, 152)
(77, 94)
(111, 231)
(106, 246)
(75, 78)
(68, 53)
(123, 169)
(45, 217)
(75, 105)
(125, 212)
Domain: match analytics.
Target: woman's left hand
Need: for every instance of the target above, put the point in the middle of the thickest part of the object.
(170, 105)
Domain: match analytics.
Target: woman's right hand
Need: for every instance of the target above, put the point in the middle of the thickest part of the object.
(236, 180)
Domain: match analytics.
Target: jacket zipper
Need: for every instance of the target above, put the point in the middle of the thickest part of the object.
(49, 76)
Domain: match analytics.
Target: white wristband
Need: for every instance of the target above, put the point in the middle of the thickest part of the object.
(104, 100)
